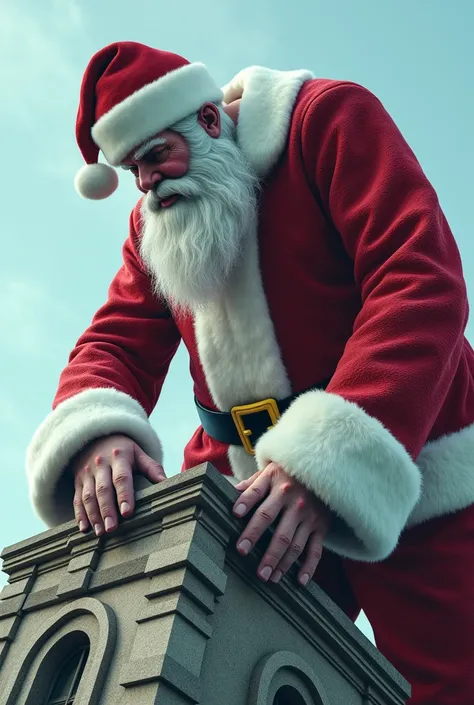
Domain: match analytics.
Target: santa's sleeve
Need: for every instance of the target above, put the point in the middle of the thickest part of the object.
(356, 444)
(110, 385)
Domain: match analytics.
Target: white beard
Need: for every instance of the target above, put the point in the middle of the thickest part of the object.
(191, 248)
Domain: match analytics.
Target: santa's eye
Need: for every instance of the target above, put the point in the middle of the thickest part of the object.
(158, 156)
(131, 168)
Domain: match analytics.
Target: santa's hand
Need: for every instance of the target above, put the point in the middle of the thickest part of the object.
(103, 481)
(301, 529)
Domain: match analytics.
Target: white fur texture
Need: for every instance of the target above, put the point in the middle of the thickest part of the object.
(236, 340)
(96, 181)
(235, 335)
(69, 428)
(374, 482)
(152, 109)
(268, 98)
(371, 481)
(349, 460)
(447, 468)
(191, 248)
(242, 363)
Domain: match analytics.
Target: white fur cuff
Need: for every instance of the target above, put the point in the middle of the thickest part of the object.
(69, 428)
(353, 464)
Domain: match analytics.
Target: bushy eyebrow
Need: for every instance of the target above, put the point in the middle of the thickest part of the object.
(144, 149)
(147, 147)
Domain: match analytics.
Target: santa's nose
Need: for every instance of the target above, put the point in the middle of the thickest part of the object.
(148, 178)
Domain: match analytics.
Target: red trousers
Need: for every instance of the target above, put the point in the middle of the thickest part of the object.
(420, 603)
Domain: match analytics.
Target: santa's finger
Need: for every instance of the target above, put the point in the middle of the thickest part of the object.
(105, 494)
(145, 465)
(79, 510)
(313, 553)
(294, 551)
(243, 484)
(254, 493)
(281, 543)
(91, 505)
(122, 478)
(263, 517)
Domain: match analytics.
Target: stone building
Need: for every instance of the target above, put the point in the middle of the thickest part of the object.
(165, 611)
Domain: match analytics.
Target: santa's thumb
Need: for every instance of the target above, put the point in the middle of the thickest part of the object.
(149, 467)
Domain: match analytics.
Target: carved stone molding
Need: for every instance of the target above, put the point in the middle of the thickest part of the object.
(186, 603)
(24, 681)
(294, 671)
(12, 600)
(186, 577)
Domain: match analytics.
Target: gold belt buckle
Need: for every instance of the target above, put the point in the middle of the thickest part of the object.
(240, 412)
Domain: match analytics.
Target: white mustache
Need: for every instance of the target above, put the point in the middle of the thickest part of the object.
(185, 186)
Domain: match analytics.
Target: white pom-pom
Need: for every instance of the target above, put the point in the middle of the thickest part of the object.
(96, 181)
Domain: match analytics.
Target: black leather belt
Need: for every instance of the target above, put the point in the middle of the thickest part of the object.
(245, 424)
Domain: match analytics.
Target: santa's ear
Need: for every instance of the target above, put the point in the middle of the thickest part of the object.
(210, 119)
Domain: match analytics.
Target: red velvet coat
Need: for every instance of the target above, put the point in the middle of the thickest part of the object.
(354, 275)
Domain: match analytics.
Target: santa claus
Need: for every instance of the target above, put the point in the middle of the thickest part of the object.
(289, 237)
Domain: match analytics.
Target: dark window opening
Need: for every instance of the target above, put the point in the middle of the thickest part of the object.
(68, 677)
(287, 695)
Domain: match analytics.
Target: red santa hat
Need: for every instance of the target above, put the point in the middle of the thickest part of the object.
(129, 93)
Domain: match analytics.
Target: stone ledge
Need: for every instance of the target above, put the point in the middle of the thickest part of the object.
(194, 511)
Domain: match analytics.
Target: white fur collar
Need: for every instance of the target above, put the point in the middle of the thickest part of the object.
(268, 98)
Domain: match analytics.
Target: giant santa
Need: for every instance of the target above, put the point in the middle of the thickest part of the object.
(288, 236)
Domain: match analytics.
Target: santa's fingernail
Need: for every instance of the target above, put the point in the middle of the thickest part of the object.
(244, 546)
(109, 524)
(276, 576)
(82, 526)
(124, 507)
(240, 510)
(304, 579)
(265, 572)
(98, 529)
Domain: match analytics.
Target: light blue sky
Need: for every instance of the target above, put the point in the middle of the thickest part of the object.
(59, 252)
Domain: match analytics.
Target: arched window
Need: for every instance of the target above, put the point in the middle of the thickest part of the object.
(67, 677)
(68, 658)
(287, 695)
(284, 678)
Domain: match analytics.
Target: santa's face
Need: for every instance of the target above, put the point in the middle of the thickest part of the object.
(199, 208)
(165, 156)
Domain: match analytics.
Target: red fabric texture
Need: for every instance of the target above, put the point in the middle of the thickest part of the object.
(130, 342)
(112, 75)
(420, 604)
(360, 270)
(364, 284)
